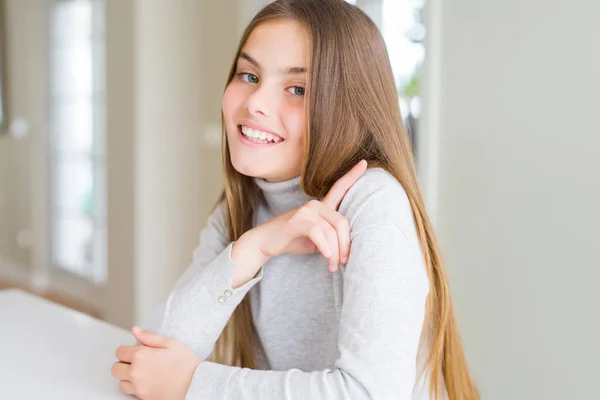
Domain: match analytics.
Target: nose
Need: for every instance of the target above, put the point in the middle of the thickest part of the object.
(257, 103)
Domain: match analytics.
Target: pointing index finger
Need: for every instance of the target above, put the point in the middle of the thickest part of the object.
(336, 194)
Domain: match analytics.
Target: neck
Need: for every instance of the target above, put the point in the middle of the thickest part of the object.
(282, 196)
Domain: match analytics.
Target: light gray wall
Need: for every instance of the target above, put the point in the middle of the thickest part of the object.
(118, 297)
(184, 50)
(22, 65)
(519, 190)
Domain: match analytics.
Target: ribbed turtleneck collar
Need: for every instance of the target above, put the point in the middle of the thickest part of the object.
(282, 196)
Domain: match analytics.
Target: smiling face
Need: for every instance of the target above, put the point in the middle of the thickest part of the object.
(263, 105)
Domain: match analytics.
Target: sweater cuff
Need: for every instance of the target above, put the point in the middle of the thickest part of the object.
(209, 381)
(219, 276)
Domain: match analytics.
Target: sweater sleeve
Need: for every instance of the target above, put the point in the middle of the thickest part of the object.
(202, 300)
(383, 310)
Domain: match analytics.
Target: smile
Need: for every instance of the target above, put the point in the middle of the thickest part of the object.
(256, 136)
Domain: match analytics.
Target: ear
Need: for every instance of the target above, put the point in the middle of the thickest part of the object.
(150, 339)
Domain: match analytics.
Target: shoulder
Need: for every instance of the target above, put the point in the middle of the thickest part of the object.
(377, 198)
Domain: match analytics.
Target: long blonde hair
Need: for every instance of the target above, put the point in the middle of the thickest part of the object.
(352, 114)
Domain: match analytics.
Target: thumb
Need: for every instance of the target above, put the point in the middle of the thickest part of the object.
(150, 339)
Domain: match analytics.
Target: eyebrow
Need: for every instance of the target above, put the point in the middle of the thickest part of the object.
(288, 70)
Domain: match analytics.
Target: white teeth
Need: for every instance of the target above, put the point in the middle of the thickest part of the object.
(256, 134)
(247, 131)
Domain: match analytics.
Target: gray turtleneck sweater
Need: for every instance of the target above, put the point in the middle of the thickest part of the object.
(352, 334)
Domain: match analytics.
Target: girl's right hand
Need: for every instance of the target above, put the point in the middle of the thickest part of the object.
(316, 226)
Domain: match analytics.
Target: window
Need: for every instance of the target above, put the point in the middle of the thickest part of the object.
(76, 128)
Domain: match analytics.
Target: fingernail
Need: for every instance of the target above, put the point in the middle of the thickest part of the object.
(345, 260)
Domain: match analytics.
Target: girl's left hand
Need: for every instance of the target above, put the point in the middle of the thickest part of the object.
(160, 369)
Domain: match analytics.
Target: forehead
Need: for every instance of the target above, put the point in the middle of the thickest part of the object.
(278, 44)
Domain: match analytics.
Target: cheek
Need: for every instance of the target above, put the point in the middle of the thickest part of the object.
(233, 100)
(294, 118)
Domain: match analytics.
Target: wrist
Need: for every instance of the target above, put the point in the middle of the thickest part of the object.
(253, 239)
(247, 257)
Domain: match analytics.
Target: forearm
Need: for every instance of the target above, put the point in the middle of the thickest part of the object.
(247, 257)
(213, 381)
(198, 308)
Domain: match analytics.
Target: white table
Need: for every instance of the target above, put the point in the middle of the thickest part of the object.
(51, 352)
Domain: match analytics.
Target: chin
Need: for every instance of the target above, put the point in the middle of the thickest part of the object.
(248, 168)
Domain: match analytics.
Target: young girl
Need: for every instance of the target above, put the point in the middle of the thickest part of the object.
(314, 279)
